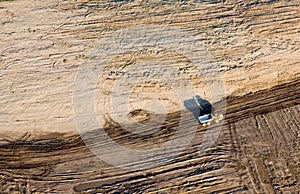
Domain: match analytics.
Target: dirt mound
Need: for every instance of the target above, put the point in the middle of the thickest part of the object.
(140, 115)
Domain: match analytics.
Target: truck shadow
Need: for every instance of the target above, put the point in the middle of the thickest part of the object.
(193, 106)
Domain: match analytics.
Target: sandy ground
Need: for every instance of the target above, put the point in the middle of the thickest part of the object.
(254, 46)
(249, 48)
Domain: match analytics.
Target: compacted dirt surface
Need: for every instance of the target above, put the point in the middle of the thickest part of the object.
(254, 45)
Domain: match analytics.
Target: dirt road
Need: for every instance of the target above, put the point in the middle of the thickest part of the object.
(257, 152)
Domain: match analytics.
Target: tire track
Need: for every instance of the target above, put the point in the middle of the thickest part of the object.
(202, 173)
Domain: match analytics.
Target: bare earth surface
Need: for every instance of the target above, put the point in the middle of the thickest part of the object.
(255, 45)
(258, 153)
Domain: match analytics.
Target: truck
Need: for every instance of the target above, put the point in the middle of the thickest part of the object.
(207, 114)
(208, 118)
